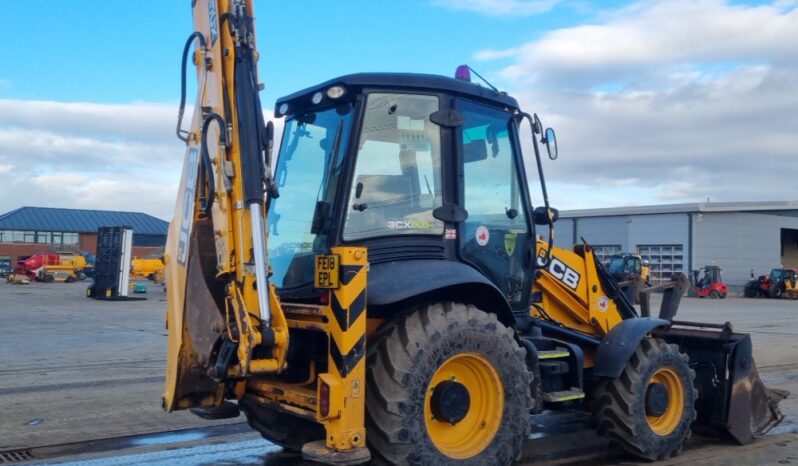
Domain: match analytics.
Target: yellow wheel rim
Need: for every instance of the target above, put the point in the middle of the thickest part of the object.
(470, 436)
(666, 423)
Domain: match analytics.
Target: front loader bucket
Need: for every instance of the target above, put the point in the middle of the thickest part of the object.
(731, 397)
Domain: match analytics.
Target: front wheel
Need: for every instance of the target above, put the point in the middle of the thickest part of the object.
(447, 384)
(648, 410)
(714, 294)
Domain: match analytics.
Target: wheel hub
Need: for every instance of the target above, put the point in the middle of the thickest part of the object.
(450, 402)
(656, 399)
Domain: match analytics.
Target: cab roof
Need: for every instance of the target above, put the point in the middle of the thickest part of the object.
(403, 81)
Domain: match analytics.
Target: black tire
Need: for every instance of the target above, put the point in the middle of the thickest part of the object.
(401, 364)
(750, 291)
(289, 432)
(723, 295)
(619, 404)
(69, 279)
(714, 294)
(775, 292)
(49, 278)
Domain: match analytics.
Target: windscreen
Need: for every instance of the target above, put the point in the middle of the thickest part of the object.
(616, 265)
(307, 175)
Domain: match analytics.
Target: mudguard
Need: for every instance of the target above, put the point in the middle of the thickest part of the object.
(407, 281)
(619, 344)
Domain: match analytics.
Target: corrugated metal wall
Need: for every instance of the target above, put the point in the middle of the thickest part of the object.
(739, 242)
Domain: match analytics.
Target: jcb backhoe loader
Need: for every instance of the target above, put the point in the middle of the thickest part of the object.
(402, 308)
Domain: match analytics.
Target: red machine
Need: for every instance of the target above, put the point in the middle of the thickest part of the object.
(31, 266)
(710, 284)
(774, 285)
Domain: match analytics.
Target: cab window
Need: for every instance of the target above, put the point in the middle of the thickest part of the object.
(397, 181)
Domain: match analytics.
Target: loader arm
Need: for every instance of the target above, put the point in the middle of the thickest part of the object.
(576, 295)
(223, 317)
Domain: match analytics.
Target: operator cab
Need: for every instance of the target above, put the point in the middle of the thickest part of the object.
(426, 171)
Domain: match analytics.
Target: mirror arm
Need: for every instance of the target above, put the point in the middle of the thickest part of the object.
(542, 187)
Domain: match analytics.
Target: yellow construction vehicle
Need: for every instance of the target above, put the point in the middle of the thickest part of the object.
(380, 292)
(623, 266)
(149, 268)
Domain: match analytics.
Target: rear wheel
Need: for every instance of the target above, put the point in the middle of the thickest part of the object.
(648, 410)
(447, 384)
(714, 294)
(290, 432)
(776, 291)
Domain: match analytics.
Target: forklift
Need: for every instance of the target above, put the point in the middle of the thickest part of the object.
(707, 283)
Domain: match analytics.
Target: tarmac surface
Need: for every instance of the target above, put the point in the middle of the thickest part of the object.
(81, 383)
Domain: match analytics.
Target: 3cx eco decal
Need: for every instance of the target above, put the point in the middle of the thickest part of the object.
(560, 271)
(412, 224)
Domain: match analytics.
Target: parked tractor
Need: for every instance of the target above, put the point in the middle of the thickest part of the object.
(775, 285)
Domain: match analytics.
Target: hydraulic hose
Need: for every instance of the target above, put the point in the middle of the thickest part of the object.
(182, 134)
(206, 202)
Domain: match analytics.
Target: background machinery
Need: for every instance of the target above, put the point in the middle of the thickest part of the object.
(625, 266)
(777, 284)
(707, 282)
(150, 268)
(51, 266)
(403, 309)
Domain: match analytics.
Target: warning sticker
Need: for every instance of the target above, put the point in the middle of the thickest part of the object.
(483, 235)
(603, 304)
(451, 233)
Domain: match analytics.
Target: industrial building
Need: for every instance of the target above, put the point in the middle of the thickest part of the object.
(740, 237)
(31, 230)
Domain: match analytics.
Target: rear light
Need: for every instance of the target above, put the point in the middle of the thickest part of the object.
(324, 298)
(324, 399)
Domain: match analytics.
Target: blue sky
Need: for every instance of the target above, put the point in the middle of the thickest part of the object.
(116, 52)
(654, 101)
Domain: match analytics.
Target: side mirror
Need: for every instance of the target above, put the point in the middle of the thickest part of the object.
(541, 217)
(550, 140)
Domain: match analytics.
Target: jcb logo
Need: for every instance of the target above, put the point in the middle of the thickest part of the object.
(560, 271)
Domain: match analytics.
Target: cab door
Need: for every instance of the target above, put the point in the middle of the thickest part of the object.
(495, 236)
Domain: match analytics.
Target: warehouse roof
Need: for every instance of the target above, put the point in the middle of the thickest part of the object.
(683, 208)
(79, 220)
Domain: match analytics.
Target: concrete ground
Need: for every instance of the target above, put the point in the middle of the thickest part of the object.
(81, 380)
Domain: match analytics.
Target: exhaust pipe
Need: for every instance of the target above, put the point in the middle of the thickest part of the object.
(732, 398)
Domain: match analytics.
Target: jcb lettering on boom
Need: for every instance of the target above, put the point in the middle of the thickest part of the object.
(188, 206)
(561, 271)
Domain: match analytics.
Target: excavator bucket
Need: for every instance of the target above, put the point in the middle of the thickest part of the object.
(732, 398)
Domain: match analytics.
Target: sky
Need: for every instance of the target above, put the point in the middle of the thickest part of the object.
(653, 101)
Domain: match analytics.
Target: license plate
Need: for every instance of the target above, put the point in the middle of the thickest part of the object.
(327, 273)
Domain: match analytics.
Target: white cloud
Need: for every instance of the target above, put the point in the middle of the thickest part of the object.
(500, 7)
(685, 99)
(636, 42)
(89, 155)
